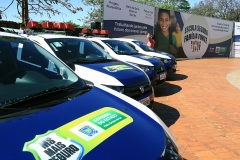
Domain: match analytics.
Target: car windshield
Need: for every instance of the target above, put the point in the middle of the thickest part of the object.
(120, 47)
(77, 50)
(27, 70)
(143, 46)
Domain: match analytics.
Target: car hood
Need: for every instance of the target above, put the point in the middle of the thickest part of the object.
(155, 54)
(113, 73)
(167, 54)
(105, 127)
(156, 62)
(133, 59)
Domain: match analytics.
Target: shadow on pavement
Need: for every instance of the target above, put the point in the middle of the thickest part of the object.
(167, 114)
(177, 77)
(167, 89)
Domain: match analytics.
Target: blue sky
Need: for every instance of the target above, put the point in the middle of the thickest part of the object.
(66, 16)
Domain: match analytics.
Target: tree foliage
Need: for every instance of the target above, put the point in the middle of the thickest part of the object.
(168, 6)
(177, 5)
(96, 12)
(153, 3)
(40, 7)
(222, 9)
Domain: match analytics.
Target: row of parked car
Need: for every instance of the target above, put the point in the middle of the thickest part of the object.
(78, 98)
(112, 62)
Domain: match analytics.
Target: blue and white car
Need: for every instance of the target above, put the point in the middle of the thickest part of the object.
(46, 114)
(119, 50)
(93, 64)
(169, 60)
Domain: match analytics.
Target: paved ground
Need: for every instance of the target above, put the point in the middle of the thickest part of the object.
(201, 106)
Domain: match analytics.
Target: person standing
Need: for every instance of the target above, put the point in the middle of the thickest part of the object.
(22, 29)
(151, 41)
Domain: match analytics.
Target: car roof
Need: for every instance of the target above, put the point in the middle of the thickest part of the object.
(99, 38)
(126, 39)
(49, 35)
(9, 34)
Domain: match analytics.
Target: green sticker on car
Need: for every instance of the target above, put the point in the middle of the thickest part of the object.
(146, 57)
(77, 138)
(107, 119)
(116, 68)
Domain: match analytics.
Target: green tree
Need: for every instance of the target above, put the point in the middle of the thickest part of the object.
(183, 6)
(153, 3)
(168, 6)
(222, 9)
(177, 5)
(40, 7)
(95, 14)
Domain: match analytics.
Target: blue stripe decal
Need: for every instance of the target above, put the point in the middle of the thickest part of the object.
(219, 49)
(154, 61)
(236, 38)
(126, 77)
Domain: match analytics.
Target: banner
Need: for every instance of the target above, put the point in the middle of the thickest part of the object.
(236, 41)
(191, 36)
(128, 19)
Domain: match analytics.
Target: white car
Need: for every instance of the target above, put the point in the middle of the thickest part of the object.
(95, 65)
(169, 61)
(119, 50)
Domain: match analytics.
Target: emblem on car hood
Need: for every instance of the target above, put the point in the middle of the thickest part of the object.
(141, 89)
(71, 141)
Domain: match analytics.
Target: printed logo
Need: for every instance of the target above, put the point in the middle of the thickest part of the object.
(217, 50)
(108, 119)
(146, 57)
(88, 130)
(51, 146)
(116, 68)
(77, 138)
(195, 38)
(211, 50)
(195, 46)
(92, 128)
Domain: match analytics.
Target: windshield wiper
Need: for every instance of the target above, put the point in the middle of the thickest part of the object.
(104, 60)
(78, 60)
(9, 112)
(45, 101)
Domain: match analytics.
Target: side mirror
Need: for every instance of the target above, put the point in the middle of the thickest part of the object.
(71, 65)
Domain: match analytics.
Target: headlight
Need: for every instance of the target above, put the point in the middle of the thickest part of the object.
(116, 88)
(170, 151)
(166, 60)
(145, 68)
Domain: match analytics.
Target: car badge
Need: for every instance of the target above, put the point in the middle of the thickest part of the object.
(141, 89)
